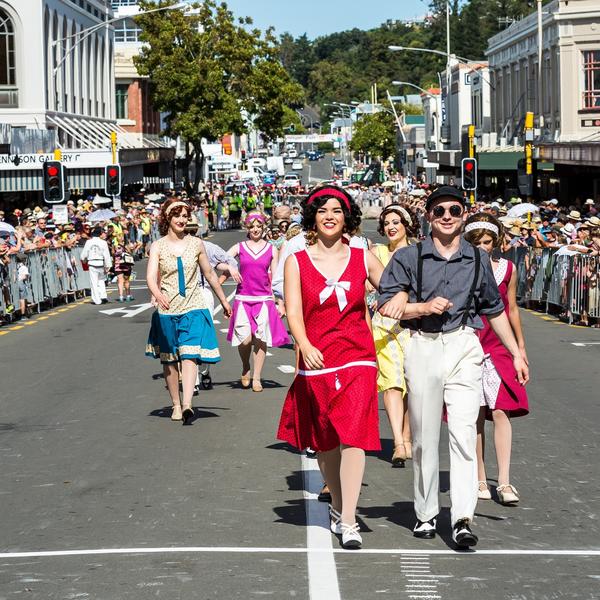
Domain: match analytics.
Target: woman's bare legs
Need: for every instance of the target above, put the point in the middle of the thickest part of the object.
(260, 353)
(244, 349)
(481, 444)
(189, 370)
(121, 285)
(503, 444)
(329, 464)
(171, 373)
(352, 469)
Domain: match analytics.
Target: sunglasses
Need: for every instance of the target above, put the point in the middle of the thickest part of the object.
(453, 211)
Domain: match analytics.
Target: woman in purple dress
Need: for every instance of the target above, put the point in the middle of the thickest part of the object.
(255, 323)
(503, 396)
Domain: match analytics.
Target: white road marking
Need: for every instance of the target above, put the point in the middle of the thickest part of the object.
(286, 369)
(224, 330)
(296, 550)
(128, 311)
(583, 344)
(322, 574)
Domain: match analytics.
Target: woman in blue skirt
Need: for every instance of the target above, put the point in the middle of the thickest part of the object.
(182, 329)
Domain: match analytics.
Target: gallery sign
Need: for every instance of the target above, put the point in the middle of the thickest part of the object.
(72, 159)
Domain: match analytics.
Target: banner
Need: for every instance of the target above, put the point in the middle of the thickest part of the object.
(314, 138)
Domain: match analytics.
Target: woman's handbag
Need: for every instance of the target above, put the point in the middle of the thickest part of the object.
(127, 258)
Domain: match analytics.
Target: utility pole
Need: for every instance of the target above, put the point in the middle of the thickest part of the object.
(529, 151)
(540, 64)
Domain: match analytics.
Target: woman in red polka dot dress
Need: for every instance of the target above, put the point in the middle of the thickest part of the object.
(332, 403)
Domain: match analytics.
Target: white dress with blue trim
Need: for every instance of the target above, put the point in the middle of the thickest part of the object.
(185, 330)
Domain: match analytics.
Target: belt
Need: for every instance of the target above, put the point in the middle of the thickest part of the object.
(244, 298)
(435, 334)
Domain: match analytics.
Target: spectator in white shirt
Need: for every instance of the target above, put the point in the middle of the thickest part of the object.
(97, 255)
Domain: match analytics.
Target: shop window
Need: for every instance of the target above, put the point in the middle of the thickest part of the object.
(591, 79)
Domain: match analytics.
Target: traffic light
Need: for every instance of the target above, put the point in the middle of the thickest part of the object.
(54, 188)
(112, 180)
(243, 154)
(524, 180)
(469, 173)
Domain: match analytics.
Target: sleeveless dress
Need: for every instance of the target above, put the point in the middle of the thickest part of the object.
(337, 404)
(390, 339)
(501, 390)
(185, 330)
(254, 311)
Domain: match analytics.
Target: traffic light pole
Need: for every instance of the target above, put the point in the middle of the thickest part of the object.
(529, 147)
(472, 193)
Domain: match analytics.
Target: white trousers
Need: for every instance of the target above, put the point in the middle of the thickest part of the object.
(444, 368)
(97, 284)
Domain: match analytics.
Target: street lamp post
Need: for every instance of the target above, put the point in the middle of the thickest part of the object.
(85, 33)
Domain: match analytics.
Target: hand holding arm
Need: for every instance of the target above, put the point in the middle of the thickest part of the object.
(501, 327)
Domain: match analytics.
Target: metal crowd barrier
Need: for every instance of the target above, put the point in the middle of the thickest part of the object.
(54, 273)
(567, 282)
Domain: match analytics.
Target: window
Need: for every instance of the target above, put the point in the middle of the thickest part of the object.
(591, 79)
(126, 31)
(8, 71)
(121, 97)
(117, 3)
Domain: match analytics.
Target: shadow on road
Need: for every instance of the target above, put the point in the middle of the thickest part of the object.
(165, 413)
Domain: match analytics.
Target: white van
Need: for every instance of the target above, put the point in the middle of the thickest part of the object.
(257, 162)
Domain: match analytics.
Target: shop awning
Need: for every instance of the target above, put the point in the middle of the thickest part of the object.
(31, 181)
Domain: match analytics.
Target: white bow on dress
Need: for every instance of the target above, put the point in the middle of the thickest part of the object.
(340, 287)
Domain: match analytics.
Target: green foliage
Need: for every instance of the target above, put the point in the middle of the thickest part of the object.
(342, 66)
(375, 135)
(213, 75)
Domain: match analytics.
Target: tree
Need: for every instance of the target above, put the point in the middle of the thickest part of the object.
(212, 75)
(375, 134)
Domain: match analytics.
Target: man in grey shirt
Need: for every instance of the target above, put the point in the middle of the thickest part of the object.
(439, 289)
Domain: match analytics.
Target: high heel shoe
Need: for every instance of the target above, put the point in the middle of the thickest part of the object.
(399, 456)
(257, 386)
(176, 414)
(187, 415)
(408, 448)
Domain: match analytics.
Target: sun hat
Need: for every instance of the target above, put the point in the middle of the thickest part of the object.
(574, 215)
(568, 229)
(593, 221)
(554, 201)
(589, 201)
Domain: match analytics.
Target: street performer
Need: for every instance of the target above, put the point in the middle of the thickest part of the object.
(449, 284)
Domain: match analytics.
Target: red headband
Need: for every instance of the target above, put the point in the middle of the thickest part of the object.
(330, 192)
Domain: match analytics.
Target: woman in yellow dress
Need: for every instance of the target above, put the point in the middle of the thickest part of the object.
(397, 224)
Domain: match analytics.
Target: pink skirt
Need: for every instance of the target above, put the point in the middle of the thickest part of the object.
(337, 406)
(259, 319)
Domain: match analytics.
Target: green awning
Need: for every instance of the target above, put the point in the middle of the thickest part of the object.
(499, 161)
(545, 166)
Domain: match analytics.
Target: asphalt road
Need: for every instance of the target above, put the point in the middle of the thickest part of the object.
(131, 505)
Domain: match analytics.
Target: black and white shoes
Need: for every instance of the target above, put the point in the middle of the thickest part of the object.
(462, 535)
(425, 529)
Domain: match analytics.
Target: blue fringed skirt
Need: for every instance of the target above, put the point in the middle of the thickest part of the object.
(190, 335)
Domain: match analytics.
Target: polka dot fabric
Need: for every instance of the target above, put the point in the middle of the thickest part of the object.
(338, 404)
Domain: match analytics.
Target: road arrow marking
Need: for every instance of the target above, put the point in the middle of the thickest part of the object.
(128, 311)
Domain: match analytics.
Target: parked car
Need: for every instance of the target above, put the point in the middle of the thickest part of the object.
(297, 165)
(291, 180)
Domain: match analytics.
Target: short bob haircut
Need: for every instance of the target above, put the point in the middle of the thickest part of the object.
(475, 235)
(412, 229)
(164, 219)
(352, 216)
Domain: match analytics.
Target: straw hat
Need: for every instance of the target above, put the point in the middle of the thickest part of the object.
(593, 221)
(514, 231)
(574, 215)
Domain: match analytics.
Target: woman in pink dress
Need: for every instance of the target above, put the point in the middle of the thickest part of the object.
(503, 397)
(332, 403)
(255, 322)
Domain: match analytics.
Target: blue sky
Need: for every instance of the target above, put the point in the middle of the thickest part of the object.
(320, 17)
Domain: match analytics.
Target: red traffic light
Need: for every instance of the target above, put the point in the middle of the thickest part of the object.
(52, 171)
(112, 172)
(469, 166)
